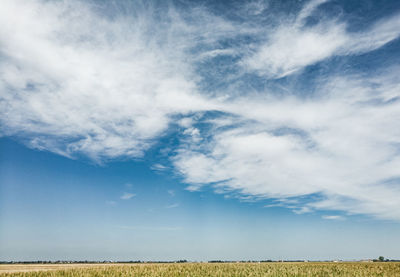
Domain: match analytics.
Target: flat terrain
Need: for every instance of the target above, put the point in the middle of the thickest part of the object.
(358, 269)
(18, 268)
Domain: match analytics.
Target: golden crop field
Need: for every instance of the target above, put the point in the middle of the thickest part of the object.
(356, 269)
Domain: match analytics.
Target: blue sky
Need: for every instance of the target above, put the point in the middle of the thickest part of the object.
(199, 130)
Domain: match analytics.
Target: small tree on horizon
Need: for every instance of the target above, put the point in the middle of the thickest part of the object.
(381, 258)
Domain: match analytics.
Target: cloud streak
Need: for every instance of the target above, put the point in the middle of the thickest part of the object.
(175, 205)
(293, 45)
(333, 217)
(127, 196)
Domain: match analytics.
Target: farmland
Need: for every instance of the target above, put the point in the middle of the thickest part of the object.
(320, 269)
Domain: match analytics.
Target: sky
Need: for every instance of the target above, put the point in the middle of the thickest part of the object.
(199, 130)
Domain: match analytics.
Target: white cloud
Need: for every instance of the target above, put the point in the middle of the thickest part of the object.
(159, 167)
(74, 82)
(151, 228)
(127, 196)
(292, 45)
(175, 205)
(333, 217)
(341, 147)
(290, 49)
(308, 9)
(256, 7)
(217, 52)
(186, 122)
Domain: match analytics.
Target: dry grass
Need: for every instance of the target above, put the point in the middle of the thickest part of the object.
(204, 269)
(15, 268)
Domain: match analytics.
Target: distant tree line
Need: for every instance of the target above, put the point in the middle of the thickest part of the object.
(89, 262)
(379, 259)
(382, 259)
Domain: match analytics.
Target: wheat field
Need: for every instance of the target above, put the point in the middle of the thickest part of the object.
(356, 269)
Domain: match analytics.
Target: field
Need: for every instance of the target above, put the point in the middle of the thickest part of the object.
(358, 269)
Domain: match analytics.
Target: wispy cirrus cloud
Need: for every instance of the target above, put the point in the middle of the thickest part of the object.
(342, 146)
(111, 203)
(78, 81)
(151, 228)
(174, 205)
(293, 45)
(127, 195)
(333, 217)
